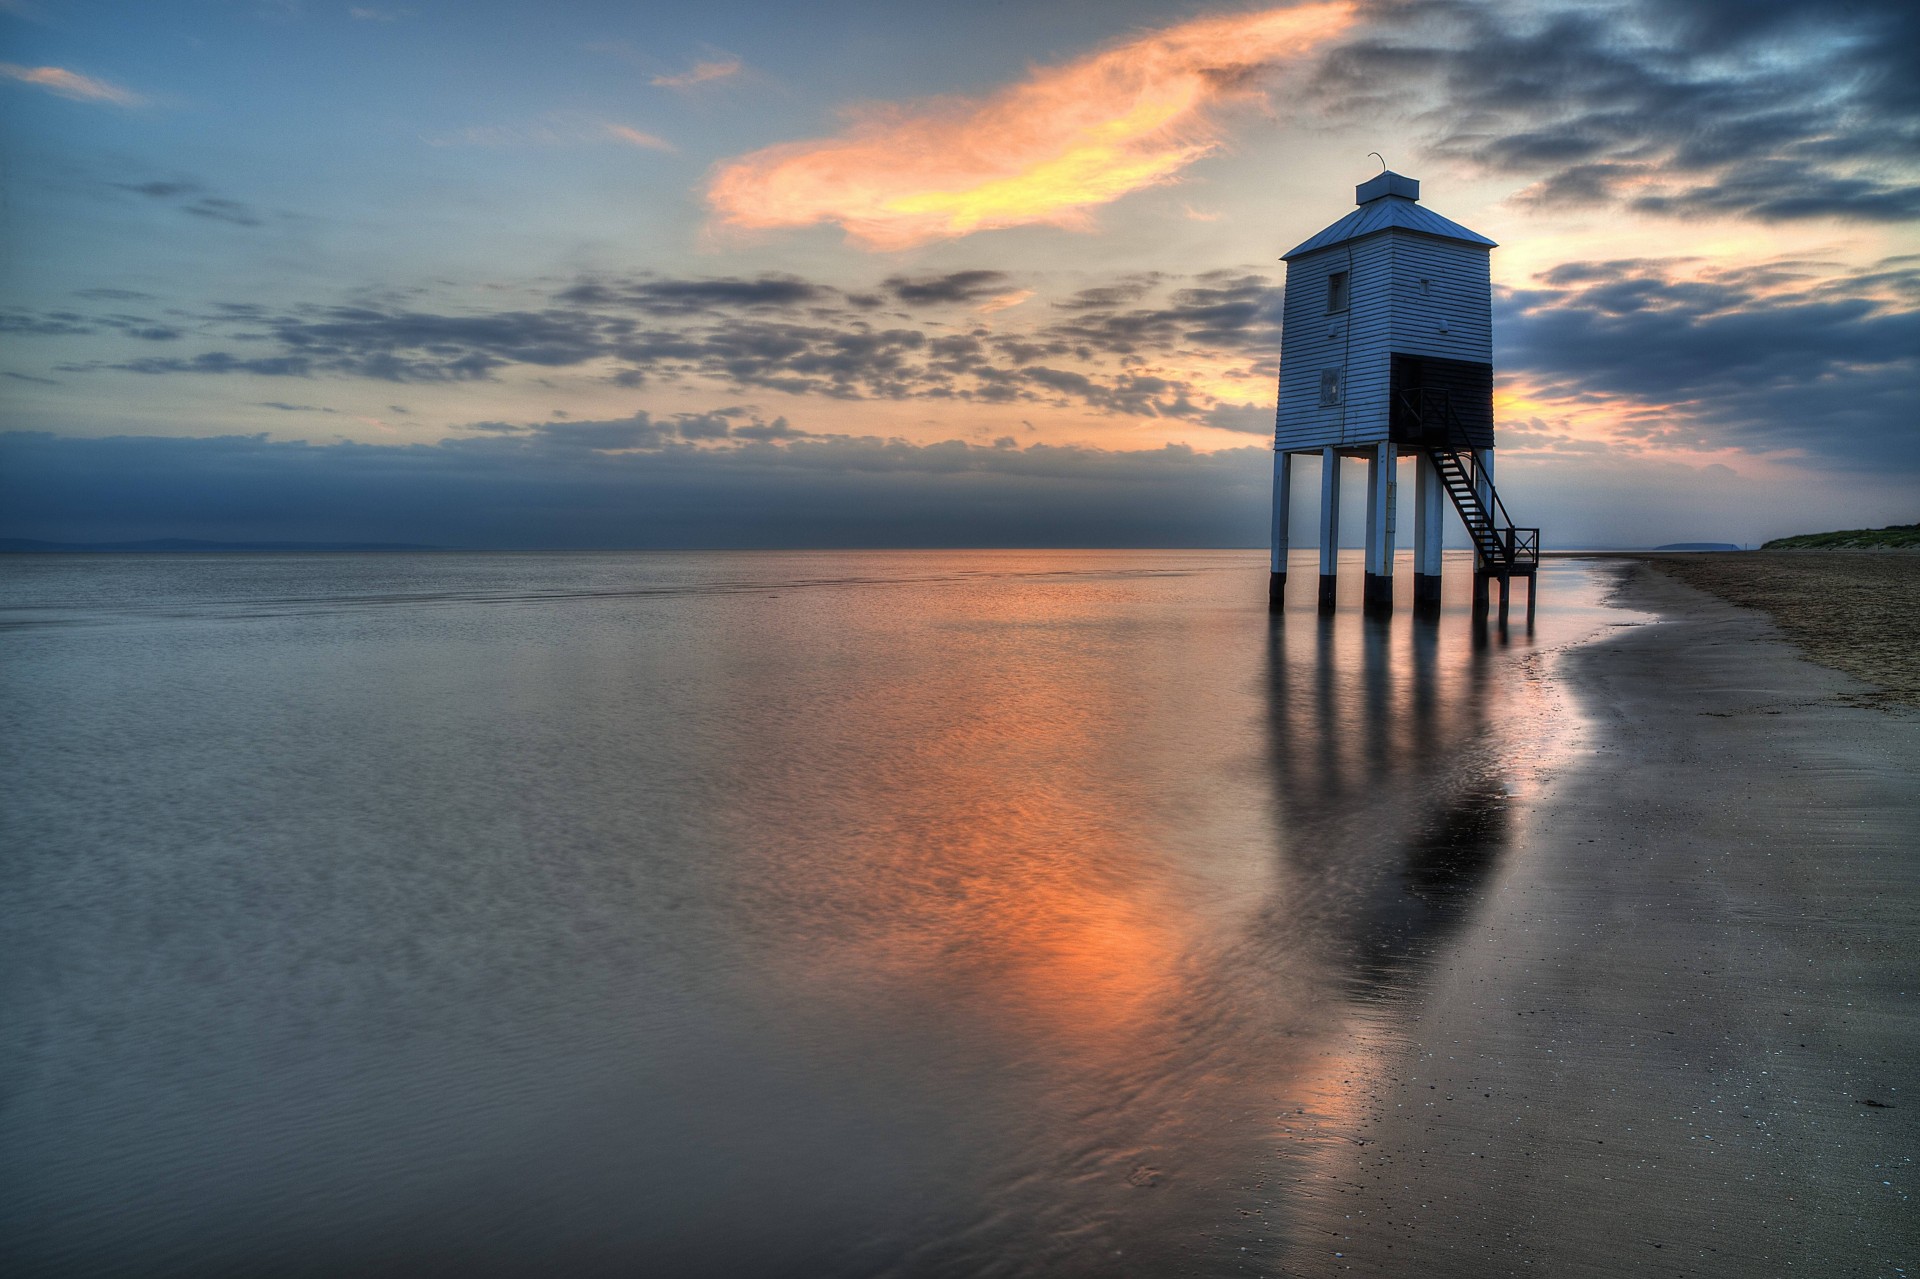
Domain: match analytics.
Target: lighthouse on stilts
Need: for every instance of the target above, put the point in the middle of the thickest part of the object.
(1387, 352)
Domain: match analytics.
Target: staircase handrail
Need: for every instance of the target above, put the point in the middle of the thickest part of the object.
(1516, 545)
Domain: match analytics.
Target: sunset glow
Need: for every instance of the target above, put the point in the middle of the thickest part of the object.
(1023, 262)
(1049, 150)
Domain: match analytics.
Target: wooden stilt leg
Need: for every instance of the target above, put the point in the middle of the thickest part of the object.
(1282, 509)
(1329, 528)
(1381, 496)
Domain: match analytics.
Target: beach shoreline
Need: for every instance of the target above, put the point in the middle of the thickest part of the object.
(1680, 1035)
(1857, 611)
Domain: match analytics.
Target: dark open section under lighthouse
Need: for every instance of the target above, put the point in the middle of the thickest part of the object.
(1438, 403)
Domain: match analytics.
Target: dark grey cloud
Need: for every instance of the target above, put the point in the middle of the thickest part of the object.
(643, 430)
(211, 362)
(1771, 110)
(1785, 355)
(160, 190)
(218, 209)
(46, 324)
(1109, 296)
(546, 488)
(636, 432)
(679, 297)
(1113, 349)
(952, 287)
(396, 346)
(193, 198)
(1221, 311)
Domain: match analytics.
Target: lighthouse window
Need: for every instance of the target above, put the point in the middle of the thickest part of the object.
(1337, 291)
(1330, 386)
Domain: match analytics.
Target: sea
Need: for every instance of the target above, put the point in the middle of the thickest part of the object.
(811, 914)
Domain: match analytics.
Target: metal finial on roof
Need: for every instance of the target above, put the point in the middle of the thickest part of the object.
(1387, 202)
(1381, 158)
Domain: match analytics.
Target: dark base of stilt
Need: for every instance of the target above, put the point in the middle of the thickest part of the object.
(1379, 593)
(1482, 596)
(1426, 591)
(1329, 591)
(1505, 584)
(1533, 588)
(1276, 592)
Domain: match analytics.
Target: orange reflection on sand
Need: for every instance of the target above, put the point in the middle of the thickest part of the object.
(1049, 902)
(1068, 139)
(988, 856)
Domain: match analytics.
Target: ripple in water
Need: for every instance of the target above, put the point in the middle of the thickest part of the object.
(929, 913)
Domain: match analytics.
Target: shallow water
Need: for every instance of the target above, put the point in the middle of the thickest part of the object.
(812, 914)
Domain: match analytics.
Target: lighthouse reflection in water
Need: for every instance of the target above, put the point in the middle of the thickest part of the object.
(760, 914)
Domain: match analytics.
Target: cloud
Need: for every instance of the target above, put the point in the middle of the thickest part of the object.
(50, 324)
(1004, 301)
(1774, 110)
(1181, 355)
(401, 346)
(643, 431)
(192, 198)
(626, 483)
(700, 73)
(636, 432)
(1224, 311)
(634, 137)
(1769, 357)
(954, 286)
(514, 487)
(1046, 151)
(71, 84)
(558, 130)
(687, 296)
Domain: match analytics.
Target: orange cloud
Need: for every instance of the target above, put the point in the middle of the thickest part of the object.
(635, 137)
(1048, 150)
(71, 84)
(1002, 301)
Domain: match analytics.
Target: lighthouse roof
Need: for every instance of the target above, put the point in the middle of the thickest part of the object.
(1386, 202)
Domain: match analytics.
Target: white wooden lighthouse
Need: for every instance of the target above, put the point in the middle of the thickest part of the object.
(1387, 352)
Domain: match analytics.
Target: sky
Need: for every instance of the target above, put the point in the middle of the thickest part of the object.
(968, 273)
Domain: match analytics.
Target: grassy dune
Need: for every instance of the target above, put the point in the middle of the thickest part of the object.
(1893, 537)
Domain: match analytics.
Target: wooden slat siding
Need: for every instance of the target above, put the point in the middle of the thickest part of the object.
(1461, 292)
(1305, 352)
(1359, 350)
(1369, 386)
(1386, 313)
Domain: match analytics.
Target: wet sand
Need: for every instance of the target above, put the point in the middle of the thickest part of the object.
(1681, 1036)
(1856, 611)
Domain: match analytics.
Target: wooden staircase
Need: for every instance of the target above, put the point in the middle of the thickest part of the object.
(1505, 551)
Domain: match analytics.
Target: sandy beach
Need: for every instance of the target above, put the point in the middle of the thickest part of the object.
(1681, 1037)
(1856, 611)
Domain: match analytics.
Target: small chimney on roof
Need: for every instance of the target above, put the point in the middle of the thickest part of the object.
(1386, 184)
